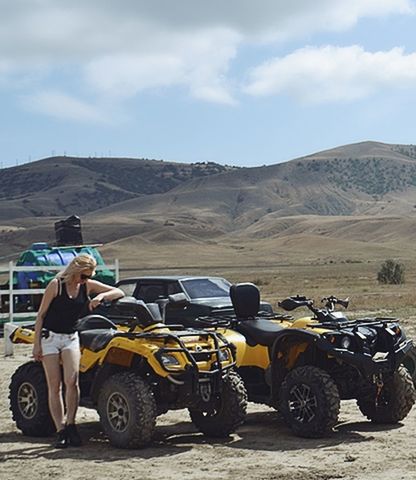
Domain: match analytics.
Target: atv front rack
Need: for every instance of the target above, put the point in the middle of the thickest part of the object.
(359, 322)
(180, 332)
(181, 348)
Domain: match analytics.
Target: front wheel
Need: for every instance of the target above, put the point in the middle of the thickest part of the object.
(127, 410)
(29, 401)
(395, 400)
(228, 411)
(309, 402)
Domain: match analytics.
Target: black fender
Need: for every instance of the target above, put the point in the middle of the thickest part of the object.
(299, 335)
(277, 369)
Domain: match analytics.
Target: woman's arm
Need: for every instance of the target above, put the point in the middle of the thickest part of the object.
(50, 293)
(102, 293)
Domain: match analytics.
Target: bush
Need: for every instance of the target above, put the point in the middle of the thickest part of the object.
(391, 272)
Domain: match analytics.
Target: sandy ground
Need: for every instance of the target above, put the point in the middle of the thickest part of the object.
(262, 449)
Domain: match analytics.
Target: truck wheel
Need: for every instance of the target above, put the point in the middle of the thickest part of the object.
(127, 410)
(395, 402)
(309, 402)
(410, 363)
(229, 410)
(29, 401)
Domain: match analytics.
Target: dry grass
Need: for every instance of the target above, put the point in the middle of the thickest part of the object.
(305, 264)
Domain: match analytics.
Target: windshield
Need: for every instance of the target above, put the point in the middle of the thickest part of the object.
(206, 287)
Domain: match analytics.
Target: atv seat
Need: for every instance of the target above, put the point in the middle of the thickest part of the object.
(245, 298)
(95, 331)
(96, 339)
(259, 331)
(128, 310)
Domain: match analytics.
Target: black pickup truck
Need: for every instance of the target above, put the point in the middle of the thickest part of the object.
(205, 296)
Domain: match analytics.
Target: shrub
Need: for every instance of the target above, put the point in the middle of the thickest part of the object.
(391, 272)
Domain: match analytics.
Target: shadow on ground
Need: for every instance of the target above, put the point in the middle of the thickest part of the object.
(261, 431)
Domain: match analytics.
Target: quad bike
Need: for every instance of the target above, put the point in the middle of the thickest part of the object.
(329, 314)
(133, 373)
(304, 367)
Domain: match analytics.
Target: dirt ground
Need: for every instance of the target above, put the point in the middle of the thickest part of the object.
(262, 449)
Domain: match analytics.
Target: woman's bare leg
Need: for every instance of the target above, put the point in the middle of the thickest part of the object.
(70, 362)
(52, 368)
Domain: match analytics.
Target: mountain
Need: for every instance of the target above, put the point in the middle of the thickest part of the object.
(361, 179)
(353, 199)
(61, 185)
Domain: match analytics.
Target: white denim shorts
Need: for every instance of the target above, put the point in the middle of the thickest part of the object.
(57, 342)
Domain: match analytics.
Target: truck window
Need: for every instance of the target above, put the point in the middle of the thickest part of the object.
(150, 292)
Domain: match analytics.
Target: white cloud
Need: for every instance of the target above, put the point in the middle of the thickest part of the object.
(199, 63)
(62, 106)
(330, 73)
(82, 30)
(124, 48)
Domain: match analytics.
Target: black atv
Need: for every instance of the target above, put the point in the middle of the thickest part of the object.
(304, 367)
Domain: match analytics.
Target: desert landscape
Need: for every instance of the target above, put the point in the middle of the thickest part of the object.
(267, 142)
(306, 227)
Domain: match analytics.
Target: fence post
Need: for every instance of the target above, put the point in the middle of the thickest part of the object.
(11, 298)
(9, 327)
(117, 269)
(8, 344)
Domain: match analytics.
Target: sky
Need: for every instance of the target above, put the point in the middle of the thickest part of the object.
(238, 82)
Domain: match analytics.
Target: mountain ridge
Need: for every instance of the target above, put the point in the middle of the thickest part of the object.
(354, 192)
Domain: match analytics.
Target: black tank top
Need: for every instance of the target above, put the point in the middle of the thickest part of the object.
(64, 312)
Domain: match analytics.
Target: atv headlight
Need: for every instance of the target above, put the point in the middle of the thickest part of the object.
(345, 342)
(224, 355)
(169, 360)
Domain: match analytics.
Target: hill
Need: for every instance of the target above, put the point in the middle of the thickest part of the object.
(363, 179)
(59, 186)
(354, 201)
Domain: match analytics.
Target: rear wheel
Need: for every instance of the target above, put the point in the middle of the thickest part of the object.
(127, 410)
(228, 412)
(29, 401)
(309, 402)
(395, 401)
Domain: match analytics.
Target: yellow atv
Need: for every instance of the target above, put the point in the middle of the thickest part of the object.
(305, 367)
(133, 373)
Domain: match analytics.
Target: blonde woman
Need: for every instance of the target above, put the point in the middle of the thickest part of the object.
(57, 342)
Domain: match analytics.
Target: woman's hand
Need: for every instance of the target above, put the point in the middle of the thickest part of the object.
(95, 302)
(37, 352)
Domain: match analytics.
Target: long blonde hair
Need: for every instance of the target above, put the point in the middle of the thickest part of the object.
(78, 264)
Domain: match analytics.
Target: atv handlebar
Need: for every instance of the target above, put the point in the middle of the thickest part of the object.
(331, 301)
(291, 303)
